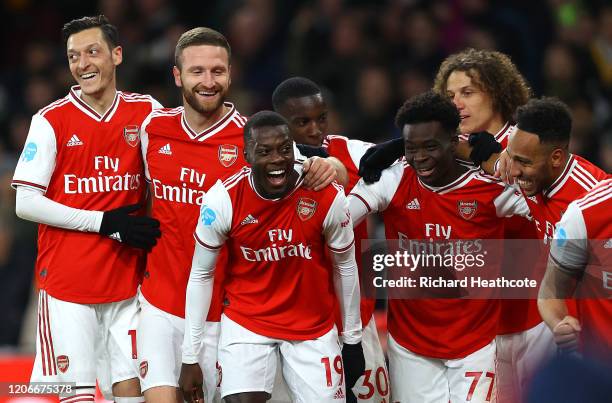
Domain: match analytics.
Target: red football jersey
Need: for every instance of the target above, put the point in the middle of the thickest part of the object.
(468, 208)
(547, 207)
(278, 281)
(349, 152)
(88, 161)
(181, 165)
(583, 244)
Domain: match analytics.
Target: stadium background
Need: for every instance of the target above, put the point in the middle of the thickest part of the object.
(369, 55)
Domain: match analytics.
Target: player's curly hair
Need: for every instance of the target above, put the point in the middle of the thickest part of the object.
(548, 118)
(262, 119)
(493, 72)
(109, 31)
(428, 107)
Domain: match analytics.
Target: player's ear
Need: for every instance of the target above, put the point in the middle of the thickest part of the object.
(117, 54)
(177, 76)
(557, 157)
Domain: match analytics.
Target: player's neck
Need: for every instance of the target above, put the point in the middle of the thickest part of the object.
(455, 171)
(199, 121)
(557, 171)
(495, 125)
(100, 102)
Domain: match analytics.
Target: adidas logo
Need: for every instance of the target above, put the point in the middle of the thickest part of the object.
(74, 141)
(608, 244)
(166, 150)
(116, 236)
(339, 394)
(249, 220)
(414, 204)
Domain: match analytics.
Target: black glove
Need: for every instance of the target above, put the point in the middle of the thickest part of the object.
(483, 146)
(354, 366)
(379, 157)
(137, 231)
(312, 151)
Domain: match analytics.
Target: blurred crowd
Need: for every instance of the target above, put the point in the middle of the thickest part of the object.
(369, 56)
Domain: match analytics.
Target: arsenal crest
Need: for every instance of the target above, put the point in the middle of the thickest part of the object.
(144, 368)
(306, 208)
(62, 363)
(228, 154)
(131, 134)
(467, 209)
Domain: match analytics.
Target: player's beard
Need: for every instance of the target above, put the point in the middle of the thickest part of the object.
(204, 108)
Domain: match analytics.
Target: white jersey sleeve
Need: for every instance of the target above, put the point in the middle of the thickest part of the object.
(197, 301)
(356, 149)
(511, 202)
(338, 232)
(155, 104)
(32, 205)
(375, 197)
(337, 226)
(37, 160)
(215, 218)
(569, 249)
(144, 145)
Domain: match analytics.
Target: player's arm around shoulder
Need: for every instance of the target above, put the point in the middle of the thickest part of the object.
(511, 202)
(320, 172)
(366, 198)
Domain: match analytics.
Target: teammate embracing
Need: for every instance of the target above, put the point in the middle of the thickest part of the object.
(301, 102)
(422, 200)
(279, 288)
(186, 150)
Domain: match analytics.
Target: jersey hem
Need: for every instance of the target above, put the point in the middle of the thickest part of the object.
(450, 356)
(265, 331)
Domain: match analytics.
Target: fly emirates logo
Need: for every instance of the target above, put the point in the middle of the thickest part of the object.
(438, 242)
(107, 180)
(280, 248)
(183, 193)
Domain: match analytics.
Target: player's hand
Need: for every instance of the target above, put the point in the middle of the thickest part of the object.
(503, 168)
(137, 231)
(319, 173)
(483, 146)
(354, 365)
(566, 334)
(190, 383)
(379, 157)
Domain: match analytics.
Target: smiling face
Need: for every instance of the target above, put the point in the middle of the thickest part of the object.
(270, 153)
(533, 163)
(429, 149)
(307, 118)
(204, 77)
(92, 62)
(475, 106)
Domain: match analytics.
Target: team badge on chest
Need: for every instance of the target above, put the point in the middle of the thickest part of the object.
(228, 154)
(306, 208)
(467, 209)
(131, 134)
(63, 363)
